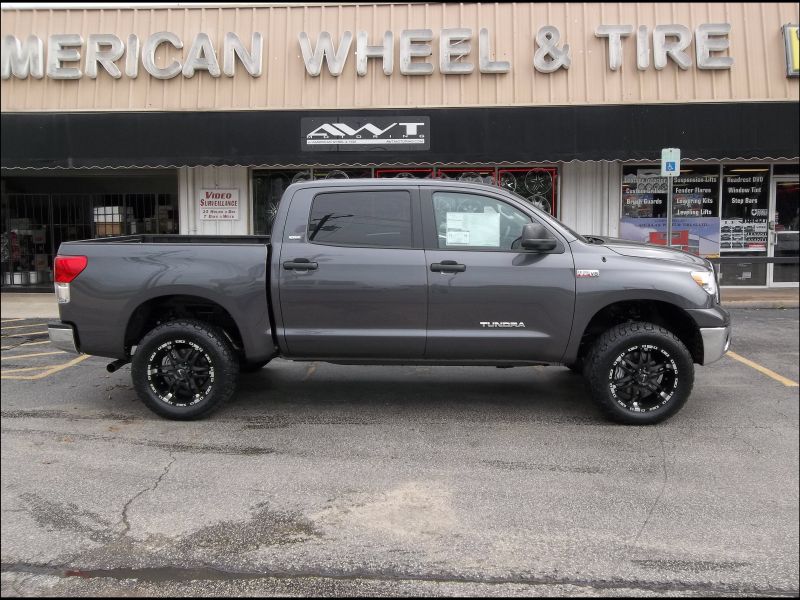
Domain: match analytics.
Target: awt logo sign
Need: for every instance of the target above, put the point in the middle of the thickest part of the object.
(365, 133)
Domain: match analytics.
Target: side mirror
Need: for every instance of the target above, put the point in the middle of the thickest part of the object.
(536, 237)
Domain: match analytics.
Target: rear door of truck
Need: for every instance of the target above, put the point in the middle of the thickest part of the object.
(352, 276)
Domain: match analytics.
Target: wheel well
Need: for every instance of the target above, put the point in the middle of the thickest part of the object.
(667, 315)
(168, 308)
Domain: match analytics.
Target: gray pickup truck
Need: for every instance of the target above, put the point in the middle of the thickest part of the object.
(386, 272)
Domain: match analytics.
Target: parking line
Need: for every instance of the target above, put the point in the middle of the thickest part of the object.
(24, 344)
(11, 320)
(24, 334)
(47, 373)
(25, 369)
(764, 370)
(18, 356)
(23, 326)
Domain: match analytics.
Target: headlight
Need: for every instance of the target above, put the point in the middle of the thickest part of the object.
(706, 280)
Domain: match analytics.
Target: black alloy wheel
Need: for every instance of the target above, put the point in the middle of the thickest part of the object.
(180, 373)
(184, 369)
(639, 373)
(643, 378)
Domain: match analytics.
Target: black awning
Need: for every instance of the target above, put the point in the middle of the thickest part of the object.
(746, 130)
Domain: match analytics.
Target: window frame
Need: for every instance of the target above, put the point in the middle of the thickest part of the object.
(431, 230)
(416, 220)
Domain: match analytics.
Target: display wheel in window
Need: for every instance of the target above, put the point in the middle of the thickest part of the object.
(541, 203)
(336, 174)
(538, 183)
(508, 181)
(475, 177)
(301, 176)
(272, 212)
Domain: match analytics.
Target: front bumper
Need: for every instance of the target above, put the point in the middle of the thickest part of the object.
(716, 341)
(63, 337)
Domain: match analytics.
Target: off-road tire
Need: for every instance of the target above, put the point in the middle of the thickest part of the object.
(214, 351)
(609, 354)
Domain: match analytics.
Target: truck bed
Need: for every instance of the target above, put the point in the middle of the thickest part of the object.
(178, 239)
(137, 279)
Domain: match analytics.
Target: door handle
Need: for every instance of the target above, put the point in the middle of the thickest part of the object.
(300, 264)
(448, 266)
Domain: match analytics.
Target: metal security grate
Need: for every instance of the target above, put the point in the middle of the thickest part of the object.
(34, 225)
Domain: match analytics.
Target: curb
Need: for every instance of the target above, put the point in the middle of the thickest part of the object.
(760, 304)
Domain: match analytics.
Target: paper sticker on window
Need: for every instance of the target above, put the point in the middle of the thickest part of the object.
(482, 229)
(457, 238)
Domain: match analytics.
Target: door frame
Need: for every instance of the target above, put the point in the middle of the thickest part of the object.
(771, 234)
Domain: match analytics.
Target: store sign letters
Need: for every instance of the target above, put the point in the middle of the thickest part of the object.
(69, 56)
(219, 205)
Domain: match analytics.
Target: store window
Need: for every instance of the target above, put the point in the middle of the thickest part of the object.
(745, 220)
(538, 184)
(404, 173)
(695, 208)
(41, 212)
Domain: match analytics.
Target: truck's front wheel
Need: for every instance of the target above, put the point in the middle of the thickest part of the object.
(184, 369)
(640, 373)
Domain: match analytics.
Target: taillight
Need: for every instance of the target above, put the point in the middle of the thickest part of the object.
(69, 267)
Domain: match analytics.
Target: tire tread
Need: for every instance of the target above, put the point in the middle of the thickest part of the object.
(229, 368)
(597, 377)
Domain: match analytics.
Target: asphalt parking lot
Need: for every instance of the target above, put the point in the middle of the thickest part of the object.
(322, 479)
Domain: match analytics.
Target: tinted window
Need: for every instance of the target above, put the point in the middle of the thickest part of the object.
(467, 220)
(362, 219)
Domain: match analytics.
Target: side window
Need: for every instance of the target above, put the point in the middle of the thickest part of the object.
(381, 218)
(471, 221)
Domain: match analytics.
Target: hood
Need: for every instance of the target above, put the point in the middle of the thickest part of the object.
(639, 250)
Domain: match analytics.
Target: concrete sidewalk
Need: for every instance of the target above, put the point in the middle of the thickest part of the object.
(44, 306)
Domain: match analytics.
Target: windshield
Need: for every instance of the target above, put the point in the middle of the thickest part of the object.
(548, 217)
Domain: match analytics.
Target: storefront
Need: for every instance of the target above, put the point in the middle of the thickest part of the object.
(194, 120)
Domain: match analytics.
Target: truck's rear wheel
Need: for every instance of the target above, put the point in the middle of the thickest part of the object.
(184, 369)
(640, 373)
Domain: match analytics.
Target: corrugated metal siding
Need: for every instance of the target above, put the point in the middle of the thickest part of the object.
(590, 197)
(756, 45)
(192, 179)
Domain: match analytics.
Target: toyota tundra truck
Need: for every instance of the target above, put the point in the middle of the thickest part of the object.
(393, 272)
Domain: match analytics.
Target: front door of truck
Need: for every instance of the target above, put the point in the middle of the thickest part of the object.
(490, 299)
(353, 279)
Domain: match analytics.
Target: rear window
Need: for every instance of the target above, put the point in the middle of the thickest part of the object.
(380, 219)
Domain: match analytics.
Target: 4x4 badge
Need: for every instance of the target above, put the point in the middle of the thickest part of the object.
(587, 273)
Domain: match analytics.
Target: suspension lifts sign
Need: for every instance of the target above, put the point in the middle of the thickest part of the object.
(71, 56)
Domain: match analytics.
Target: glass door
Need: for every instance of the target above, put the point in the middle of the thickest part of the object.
(785, 225)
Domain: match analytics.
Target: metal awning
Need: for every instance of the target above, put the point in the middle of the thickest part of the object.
(503, 135)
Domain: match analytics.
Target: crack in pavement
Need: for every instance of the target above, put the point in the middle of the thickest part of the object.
(660, 493)
(128, 504)
(171, 573)
(170, 447)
